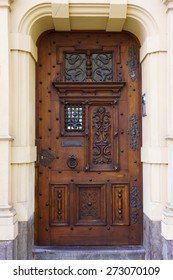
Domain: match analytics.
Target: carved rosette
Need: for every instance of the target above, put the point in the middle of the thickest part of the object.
(89, 204)
(102, 136)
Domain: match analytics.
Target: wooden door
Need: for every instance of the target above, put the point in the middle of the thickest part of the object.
(89, 187)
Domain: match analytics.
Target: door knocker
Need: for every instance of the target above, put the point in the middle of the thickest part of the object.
(72, 161)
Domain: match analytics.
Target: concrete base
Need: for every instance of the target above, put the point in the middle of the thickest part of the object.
(89, 253)
(21, 247)
(8, 250)
(156, 246)
(25, 240)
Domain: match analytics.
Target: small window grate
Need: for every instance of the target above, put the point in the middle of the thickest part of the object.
(74, 117)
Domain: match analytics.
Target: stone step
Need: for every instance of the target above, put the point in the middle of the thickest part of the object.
(89, 253)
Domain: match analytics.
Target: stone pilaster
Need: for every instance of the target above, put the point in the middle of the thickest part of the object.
(8, 221)
(167, 217)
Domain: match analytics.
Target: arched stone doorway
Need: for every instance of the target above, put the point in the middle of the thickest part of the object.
(40, 18)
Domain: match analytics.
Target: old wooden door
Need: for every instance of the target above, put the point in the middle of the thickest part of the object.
(88, 138)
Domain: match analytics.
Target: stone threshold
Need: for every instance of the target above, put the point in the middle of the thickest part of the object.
(136, 252)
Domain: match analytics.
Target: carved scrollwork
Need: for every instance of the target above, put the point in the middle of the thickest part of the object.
(102, 137)
(134, 132)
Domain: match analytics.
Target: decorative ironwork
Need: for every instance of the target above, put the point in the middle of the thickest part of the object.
(74, 117)
(46, 157)
(135, 204)
(102, 136)
(89, 204)
(72, 161)
(134, 132)
(102, 67)
(81, 67)
(133, 62)
(75, 67)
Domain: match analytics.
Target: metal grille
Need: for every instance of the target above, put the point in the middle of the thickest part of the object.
(96, 67)
(102, 67)
(75, 67)
(74, 117)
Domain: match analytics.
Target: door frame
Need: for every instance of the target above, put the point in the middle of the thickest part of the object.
(36, 173)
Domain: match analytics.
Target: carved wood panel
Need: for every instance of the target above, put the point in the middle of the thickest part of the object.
(102, 149)
(90, 204)
(120, 204)
(59, 200)
(89, 178)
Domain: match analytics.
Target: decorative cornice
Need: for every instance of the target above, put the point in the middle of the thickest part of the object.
(168, 3)
(6, 137)
(169, 137)
(6, 3)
